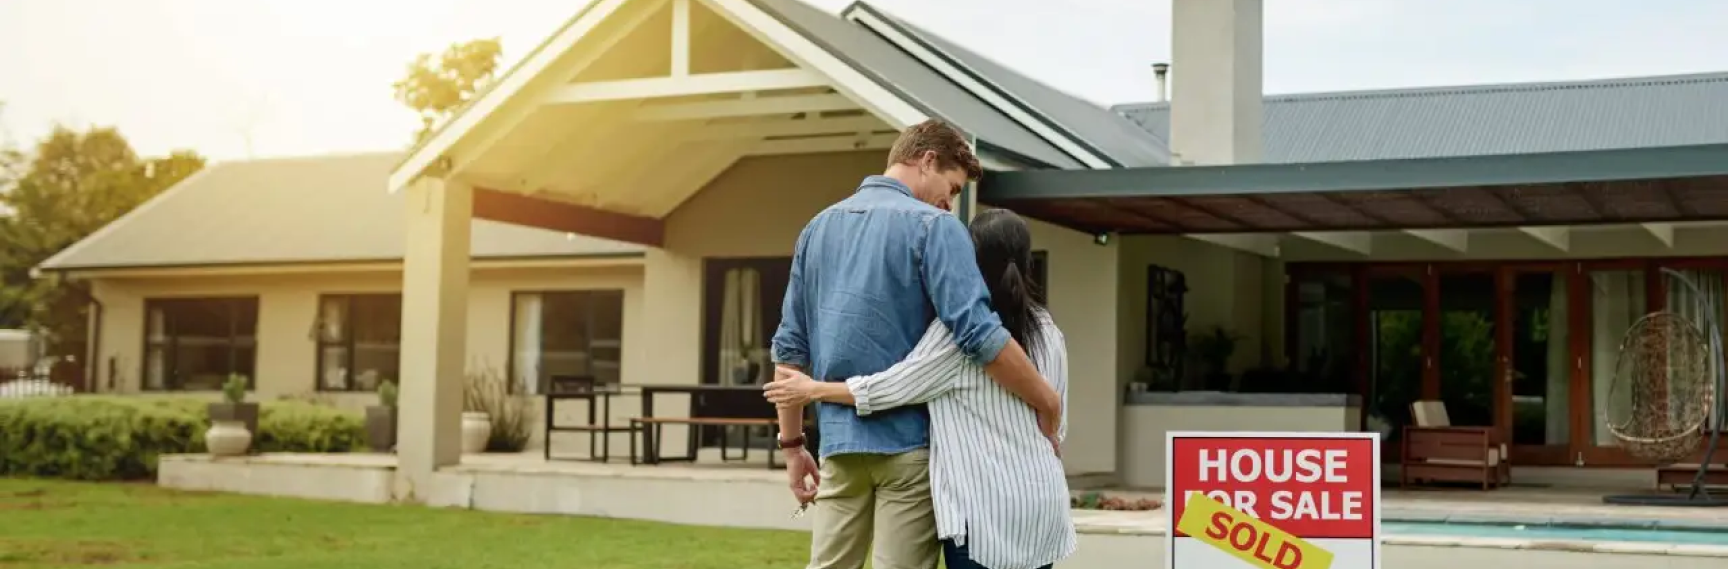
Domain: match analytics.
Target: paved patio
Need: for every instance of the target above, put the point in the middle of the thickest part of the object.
(1514, 504)
(750, 495)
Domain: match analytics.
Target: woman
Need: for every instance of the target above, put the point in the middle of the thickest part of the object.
(1000, 494)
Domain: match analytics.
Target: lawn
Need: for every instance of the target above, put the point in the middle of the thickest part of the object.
(59, 524)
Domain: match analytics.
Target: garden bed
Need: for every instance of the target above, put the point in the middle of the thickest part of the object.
(1101, 501)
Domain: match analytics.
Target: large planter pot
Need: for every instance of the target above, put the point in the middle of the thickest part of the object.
(476, 428)
(381, 428)
(245, 413)
(227, 438)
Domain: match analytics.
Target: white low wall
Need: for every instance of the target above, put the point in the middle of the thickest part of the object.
(343, 478)
(1147, 417)
(752, 498)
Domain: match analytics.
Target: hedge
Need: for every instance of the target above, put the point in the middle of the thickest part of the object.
(121, 438)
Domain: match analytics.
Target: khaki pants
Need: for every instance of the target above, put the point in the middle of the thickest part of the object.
(874, 497)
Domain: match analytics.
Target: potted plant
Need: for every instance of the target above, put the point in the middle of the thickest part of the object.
(1142, 382)
(233, 422)
(381, 419)
(1212, 352)
(476, 422)
(495, 418)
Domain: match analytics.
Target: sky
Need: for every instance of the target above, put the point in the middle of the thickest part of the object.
(234, 79)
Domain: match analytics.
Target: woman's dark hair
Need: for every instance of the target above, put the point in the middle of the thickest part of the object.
(1004, 245)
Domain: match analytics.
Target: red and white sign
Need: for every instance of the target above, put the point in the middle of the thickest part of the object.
(1318, 490)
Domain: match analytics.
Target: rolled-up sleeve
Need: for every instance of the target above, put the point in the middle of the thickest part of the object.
(791, 345)
(956, 289)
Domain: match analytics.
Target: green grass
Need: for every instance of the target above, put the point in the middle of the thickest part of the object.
(63, 524)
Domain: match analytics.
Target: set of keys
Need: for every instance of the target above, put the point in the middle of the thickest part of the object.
(799, 513)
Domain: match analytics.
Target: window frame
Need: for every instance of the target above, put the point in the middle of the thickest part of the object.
(171, 345)
(347, 343)
(510, 334)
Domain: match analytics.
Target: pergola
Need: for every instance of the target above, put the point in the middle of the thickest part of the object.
(1342, 204)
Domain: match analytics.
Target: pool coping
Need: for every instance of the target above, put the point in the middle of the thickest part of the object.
(1143, 524)
(1590, 521)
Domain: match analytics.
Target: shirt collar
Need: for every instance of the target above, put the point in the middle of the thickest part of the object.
(886, 183)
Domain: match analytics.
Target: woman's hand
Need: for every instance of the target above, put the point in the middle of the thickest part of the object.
(791, 388)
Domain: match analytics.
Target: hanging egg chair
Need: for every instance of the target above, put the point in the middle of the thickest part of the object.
(1666, 392)
(1663, 391)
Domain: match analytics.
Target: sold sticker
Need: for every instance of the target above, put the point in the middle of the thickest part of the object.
(1248, 539)
(1273, 500)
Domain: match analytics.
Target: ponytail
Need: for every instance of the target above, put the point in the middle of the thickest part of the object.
(1017, 304)
(1004, 251)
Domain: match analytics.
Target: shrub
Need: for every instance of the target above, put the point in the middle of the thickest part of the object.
(487, 391)
(121, 438)
(1099, 501)
(388, 394)
(286, 426)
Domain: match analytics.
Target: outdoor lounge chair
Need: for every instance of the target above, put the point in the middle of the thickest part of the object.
(1435, 451)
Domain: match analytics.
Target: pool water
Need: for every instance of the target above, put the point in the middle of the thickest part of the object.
(1558, 532)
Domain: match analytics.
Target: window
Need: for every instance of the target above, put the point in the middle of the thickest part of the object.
(359, 341)
(741, 311)
(194, 344)
(566, 333)
(1165, 367)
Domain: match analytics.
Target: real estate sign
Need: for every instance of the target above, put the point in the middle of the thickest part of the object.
(1272, 500)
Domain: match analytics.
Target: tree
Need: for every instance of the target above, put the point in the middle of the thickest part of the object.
(436, 86)
(70, 185)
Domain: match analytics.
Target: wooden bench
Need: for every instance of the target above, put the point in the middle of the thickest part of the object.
(1680, 476)
(651, 437)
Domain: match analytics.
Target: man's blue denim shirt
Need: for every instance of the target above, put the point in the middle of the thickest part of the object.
(868, 275)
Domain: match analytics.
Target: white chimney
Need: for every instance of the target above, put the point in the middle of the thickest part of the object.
(1215, 114)
(1161, 70)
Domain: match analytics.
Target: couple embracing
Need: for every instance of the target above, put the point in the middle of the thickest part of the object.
(940, 381)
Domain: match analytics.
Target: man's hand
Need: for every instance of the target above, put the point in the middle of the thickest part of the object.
(801, 474)
(791, 388)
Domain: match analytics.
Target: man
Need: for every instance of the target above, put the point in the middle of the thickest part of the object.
(868, 275)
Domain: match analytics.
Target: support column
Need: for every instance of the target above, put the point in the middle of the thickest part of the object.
(434, 332)
(672, 320)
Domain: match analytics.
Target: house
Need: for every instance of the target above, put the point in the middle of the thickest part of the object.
(641, 177)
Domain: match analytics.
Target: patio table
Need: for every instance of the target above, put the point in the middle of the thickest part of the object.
(723, 406)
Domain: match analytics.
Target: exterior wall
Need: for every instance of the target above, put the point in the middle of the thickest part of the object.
(287, 307)
(17, 350)
(1083, 298)
(758, 207)
(1241, 292)
(754, 209)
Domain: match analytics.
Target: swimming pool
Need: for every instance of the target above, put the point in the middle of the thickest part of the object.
(1558, 532)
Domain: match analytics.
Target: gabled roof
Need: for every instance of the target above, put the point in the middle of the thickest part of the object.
(866, 57)
(910, 79)
(1522, 118)
(290, 210)
(1091, 125)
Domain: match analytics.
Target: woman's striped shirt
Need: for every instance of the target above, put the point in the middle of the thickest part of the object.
(997, 485)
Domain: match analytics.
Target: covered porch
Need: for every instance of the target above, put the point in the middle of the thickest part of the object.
(1499, 285)
(709, 131)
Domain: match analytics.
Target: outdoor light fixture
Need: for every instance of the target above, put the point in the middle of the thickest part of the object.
(1101, 239)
